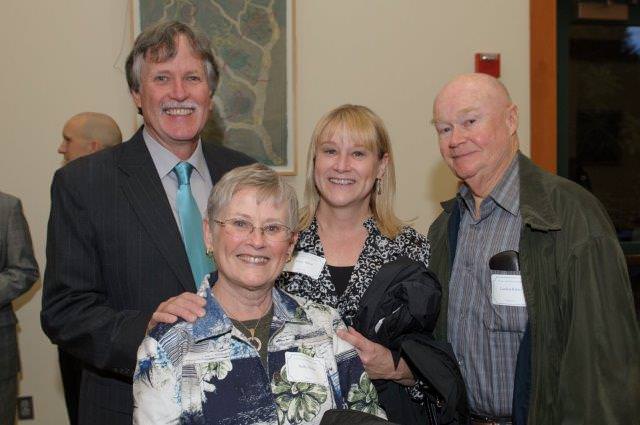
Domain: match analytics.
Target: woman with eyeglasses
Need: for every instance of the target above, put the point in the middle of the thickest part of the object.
(258, 355)
(349, 228)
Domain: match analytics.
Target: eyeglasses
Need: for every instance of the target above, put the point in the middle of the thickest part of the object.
(240, 228)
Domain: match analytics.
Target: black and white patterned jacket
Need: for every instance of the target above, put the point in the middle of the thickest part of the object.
(377, 250)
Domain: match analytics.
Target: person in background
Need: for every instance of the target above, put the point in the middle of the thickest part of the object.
(83, 134)
(349, 229)
(536, 296)
(18, 272)
(258, 355)
(125, 247)
(86, 133)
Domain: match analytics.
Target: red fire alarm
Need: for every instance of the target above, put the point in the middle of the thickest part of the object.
(488, 63)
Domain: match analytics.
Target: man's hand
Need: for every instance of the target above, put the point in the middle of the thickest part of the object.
(377, 359)
(187, 306)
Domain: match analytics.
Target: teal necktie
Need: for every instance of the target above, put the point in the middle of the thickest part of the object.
(191, 223)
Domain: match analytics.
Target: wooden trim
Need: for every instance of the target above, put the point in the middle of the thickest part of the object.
(543, 69)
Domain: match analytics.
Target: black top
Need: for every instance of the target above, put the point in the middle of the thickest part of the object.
(340, 277)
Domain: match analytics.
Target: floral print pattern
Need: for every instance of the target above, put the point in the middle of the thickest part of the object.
(207, 372)
(298, 402)
(363, 396)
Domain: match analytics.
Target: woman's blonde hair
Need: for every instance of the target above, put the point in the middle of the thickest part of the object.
(361, 125)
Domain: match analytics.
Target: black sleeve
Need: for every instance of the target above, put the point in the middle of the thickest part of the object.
(75, 311)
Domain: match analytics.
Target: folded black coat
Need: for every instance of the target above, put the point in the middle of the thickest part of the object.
(399, 310)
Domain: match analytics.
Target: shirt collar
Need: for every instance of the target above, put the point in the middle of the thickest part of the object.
(165, 160)
(370, 225)
(286, 309)
(507, 191)
(506, 194)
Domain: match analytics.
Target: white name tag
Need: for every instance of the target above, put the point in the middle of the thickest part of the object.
(506, 289)
(306, 263)
(302, 368)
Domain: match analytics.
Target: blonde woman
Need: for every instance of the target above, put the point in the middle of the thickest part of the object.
(348, 226)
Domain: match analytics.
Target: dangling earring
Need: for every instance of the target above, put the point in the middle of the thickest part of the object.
(379, 186)
(290, 257)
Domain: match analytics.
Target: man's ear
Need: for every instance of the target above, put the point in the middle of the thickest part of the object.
(95, 146)
(137, 99)
(512, 119)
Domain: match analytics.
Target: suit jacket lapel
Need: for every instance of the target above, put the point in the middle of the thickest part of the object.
(213, 161)
(144, 190)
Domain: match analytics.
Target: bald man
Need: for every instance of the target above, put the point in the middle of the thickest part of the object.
(86, 133)
(83, 134)
(536, 294)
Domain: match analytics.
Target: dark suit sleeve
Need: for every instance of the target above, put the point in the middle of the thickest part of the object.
(21, 269)
(75, 310)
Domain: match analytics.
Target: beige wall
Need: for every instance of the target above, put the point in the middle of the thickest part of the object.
(391, 55)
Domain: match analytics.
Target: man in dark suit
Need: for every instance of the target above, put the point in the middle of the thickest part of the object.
(121, 253)
(82, 135)
(18, 272)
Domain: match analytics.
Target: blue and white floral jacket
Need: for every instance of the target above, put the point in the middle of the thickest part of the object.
(207, 372)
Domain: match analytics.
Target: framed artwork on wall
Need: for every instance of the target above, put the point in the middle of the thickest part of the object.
(253, 43)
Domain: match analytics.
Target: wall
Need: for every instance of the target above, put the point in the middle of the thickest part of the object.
(393, 56)
(61, 58)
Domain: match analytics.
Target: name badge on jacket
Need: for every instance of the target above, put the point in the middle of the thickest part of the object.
(302, 368)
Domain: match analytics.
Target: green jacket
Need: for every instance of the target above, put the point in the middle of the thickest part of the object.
(585, 341)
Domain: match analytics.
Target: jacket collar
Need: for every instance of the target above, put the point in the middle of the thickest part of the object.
(535, 200)
(148, 199)
(215, 322)
(449, 204)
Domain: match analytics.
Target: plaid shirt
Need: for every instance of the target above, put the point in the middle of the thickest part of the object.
(207, 372)
(486, 337)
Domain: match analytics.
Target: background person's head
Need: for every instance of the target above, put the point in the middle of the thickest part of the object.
(252, 214)
(172, 75)
(477, 128)
(350, 163)
(86, 133)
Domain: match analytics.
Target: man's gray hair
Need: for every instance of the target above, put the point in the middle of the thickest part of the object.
(269, 185)
(158, 44)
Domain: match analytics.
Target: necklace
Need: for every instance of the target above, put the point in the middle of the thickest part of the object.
(252, 338)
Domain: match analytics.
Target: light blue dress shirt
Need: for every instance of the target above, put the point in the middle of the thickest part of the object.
(165, 161)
